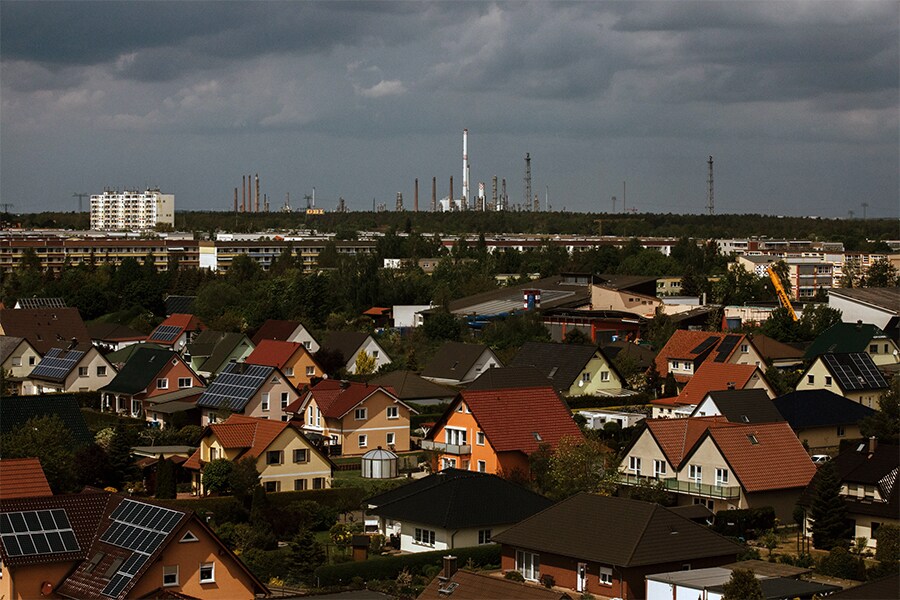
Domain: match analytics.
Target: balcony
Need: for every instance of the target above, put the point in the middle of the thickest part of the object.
(685, 487)
(454, 449)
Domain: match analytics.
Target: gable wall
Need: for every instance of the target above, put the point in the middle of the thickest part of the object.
(596, 367)
(172, 373)
(465, 420)
(288, 471)
(376, 426)
(24, 352)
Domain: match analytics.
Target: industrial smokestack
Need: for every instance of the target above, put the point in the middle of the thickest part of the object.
(465, 183)
(257, 192)
(504, 199)
(494, 192)
(235, 199)
(416, 197)
(480, 196)
(434, 194)
(451, 193)
(266, 202)
(243, 193)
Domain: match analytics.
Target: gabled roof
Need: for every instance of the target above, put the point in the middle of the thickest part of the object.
(180, 305)
(517, 420)
(233, 388)
(453, 360)
(713, 376)
(772, 349)
(8, 345)
(745, 406)
(410, 387)
(853, 372)
(468, 585)
(877, 589)
(22, 478)
(217, 347)
(697, 346)
(140, 370)
(641, 355)
(45, 328)
(844, 337)
(616, 531)
(562, 364)
(677, 437)
(345, 342)
(886, 298)
(275, 329)
(507, 378)
(460, 501)
(273, 353)
(168, 332)
(336, 398)
(113, 332)
(17, 410)
(805, 409)
(36, 302)
(57, 364)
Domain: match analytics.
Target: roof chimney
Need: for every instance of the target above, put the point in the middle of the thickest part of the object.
(731, 385)
(873, 444)
(859, 324)
(449, 568)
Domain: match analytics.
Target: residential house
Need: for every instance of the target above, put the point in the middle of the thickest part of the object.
(17, 356)
(17, 411)
(724, 465)
(471, 585)
(879, 306)
(495, 431)
(452, 509)
(212, 350)
(606, 546)
(508, 378)
(294, 360)
(608, 296)
(877, 589)
(286, 331)
(869, 487)
(101, 545)
(284, 457)
(573, 369)
(251, 390)
(710, 583)
(381, 315)
(597, 419)
(109, 337)
(176, 332)
(354, 418)
(853, 375)
(775, 353)
(76, 369)
(713, 376)
(687, 350)
(22, 478)
(149, 373)
(671, 408)
(844, 338)
(120, 357)
(821, 418)
(739, 406)
(456, 363)
(350, 344)
(45, 328)
(410, 387)
(174, 409)
(629, 352)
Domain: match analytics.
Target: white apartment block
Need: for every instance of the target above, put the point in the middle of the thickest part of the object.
(131, 210)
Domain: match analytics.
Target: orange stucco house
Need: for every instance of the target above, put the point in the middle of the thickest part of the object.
(294, 360)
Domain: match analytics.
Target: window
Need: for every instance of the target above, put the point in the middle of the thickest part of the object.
(528, 564)
(456, 437)
(363, 440)
(273, 457)
(391, 438)
(284, 400)
(482, 466)
(586, 377)
(318, 483)
(393, 412)
(484, 536)
(810, 379)
(828, 380)
(213, 454)
(840, 431)
(676, 365)
(208, 572)
(301, 455)
(101, 371)
(873, 348)
(425, 536)
(448, 463)
(82, 371)
(604, 375)
(31, 360)
(307, 344)
(289, 371)
(360, 414)
(162, 384)
(745, 348)
(721, 476)
(634, 464)
(605, 576)
(135, 407)
(310, 371)
(479, 438)
(265, 401)
(188, 537)
(659, 468)
(271, 486)
(695, 472)
(375, 354)
(299, 485)
(170, 575)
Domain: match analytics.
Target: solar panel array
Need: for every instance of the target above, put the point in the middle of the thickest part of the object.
(705, 345)
(166, 333)
(233, 387)
(725, 348)
(32, 532)
(57, 363)
(855, 371)
(141, 528)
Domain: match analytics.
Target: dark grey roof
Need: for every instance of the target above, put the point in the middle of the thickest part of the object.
(345, 342)
(8, 343)
(509, 378)
(410, 387)
(885, 298)
(16, 410)
(819, 408)
(453, 360)
(142, 368)
(854, 371)
(464, 499)
(641, 355)
(180, 305)
(562, 364)
(616, 531)
(216, 346)
(746, 406)
(556, 292)
(112, 332)
(879, 589)
(45, 328)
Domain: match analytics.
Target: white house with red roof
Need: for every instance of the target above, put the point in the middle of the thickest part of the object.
(722, 465)
(686, 351)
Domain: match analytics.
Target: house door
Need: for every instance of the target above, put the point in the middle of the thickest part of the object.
(581, 581)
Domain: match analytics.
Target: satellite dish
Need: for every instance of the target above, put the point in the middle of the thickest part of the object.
(581, 383)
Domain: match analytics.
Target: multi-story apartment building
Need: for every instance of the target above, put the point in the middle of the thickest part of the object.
(132, 210)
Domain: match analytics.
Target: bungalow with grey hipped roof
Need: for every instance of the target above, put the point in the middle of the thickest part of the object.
(739, 406)
(456, 363)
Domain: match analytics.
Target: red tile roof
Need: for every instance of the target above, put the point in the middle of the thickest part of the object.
(249, 433)
(677, 437)
(681, 345)
(273, 353)
(336, 398)
(714, 376)
(22, 478)
(511, 418)
(182, 321)
(673, 401)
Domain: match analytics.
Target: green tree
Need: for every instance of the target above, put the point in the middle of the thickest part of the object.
(841, 563)
(443, 326)
(216, 476)
(743, 585)
(828, 510)
(660, 329)
(365, 363)
(884, 424)
(121, 459)
(817, 318)
(307, 554)
(165, 479)
(882, 273)
(577, 465)
(243, 480)
(48, 439)
(888, 546)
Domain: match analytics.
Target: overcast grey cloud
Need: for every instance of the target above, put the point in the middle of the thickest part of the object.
(798, 102)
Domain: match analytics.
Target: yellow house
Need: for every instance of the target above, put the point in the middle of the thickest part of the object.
(573, 369)
(285, 458)
(852, 375)
(294, 360)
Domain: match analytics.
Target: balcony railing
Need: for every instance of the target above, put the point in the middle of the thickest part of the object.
(690, 488)
(455, 449)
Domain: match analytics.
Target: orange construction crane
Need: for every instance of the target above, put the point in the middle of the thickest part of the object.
(782, 294)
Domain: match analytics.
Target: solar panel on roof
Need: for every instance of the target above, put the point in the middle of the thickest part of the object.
(166, 333)
(32, 532)
(705, 345)
(234, 387)
(725, 348)
(57, 363)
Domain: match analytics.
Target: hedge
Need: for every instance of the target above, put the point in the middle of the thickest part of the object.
(339, 498)
(745, 522)
(388, 567)
(97, 420)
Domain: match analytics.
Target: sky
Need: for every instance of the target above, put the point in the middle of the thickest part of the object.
(798, 103)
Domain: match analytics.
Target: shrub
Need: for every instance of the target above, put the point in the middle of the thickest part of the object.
(888, 538)
(747, 523)
(842, 564)
(514, 576)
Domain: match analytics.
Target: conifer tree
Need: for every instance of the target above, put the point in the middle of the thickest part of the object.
(828, 511)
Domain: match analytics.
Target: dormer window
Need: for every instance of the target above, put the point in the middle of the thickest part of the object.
(537, 436)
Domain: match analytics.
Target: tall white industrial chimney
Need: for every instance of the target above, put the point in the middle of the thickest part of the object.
(465, 185)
